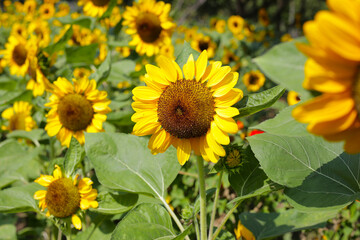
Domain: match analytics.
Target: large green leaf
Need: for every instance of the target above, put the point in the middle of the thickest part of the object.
(284, 64)
(73, 156)
(318, 174)
(284, 124)
(115, 203)
(15, 95)
(100, 228)
(109, 9)
(61, 43)
(145, 222)
(120, 71)
(19, 199)
(34, 135)
(259, 101)
(184, 54)
(84, 21)
(124, 162)
(103, 70)
(7, 227)
(81, 54)
(266, 225)
(250, 180)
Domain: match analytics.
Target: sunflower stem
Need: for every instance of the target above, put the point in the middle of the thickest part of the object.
(203, 229)
(196, 226)
(59, 234)
(216, 198)
(173, 215)
(225, 219)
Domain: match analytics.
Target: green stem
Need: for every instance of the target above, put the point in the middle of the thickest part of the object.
(59, 234)
(225, 219)
(215, 205)
(200, 164)
(196, 225)
(173, 215)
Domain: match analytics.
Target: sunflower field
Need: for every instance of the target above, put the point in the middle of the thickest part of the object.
(179, 119)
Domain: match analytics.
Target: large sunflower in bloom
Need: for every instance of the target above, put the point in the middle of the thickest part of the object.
(64, 196)
(17, 54)
(19, 117)
(149, 25)
(191, 111)
(333, 70)
(75, 109)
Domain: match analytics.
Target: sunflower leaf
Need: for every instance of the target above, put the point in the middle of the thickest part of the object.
(267, 225)
(73, 156)
(146, 221)
(259, 101)
(81, 54)
(284, 65)
(109, 9)
(132, 168)
(103, 71)
(115, 203)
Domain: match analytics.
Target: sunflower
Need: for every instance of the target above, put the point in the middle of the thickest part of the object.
(18, 30)
(253, 80)
(64, 196)
(18, 53)
(29, 7)
(149, 25)
(63, 10)
(236, 24)
(286, 38)
(263, 17)
(95, 8)
(241, 232)
(41, 30)
(46, 11)
(191, 111)
(333, 70)
(38, 82)
(201, 42)
(293, 98)
(220, 26)
(75, 109)
(113, 19)
(19, 117)
(230, 58)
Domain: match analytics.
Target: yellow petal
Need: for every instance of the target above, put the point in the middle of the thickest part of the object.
(156, 74)
(168, 68)
(44, 180)
(201, 64)
(189, 68)
(84, 204)
(227, 86)
(219, 135)
(229, 99)
(146, 93)
(183, 150)
(226, 124)
(217, 148)
(218, 76)
(227, 112)
(57, 173)
(76, 221)
(41, 194)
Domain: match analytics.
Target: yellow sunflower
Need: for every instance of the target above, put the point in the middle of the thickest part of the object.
(94, 8)
(75, 109)
(230, 58)
(286, 38)
(253, 80)
(191, 111)
(241, 232)
(333, 70)
(18, 117)
(236, 24)
(63, 10)
(41, 30)
(29, 7)
(64, 195)
(18, 30)
(293, 98)
(38, 83)
(263, 17)
(149, 25)
(46, 11)
(18, 53)
(200, 42)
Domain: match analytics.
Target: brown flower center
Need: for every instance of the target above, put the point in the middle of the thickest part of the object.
(253, 79)
(148, 27)
(186, 109)
(62, 198)
(19, 54)
(100, 3)
(203, 45)
(17, 122)
(75, 112)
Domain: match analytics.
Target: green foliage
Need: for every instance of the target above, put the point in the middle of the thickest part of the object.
(120, 71)
(266, 225)
(103, 71)
(132, 168)
(73, 156)
(284, 64)
(259, 101)
(115, 203)
(81, 54)
(146, 222)
(183, 55)
(60, 44)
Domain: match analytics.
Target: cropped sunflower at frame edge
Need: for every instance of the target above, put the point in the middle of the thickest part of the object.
(191, 111)
(149, 25)
(333, 70)
(64, 196)
(76, 108)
